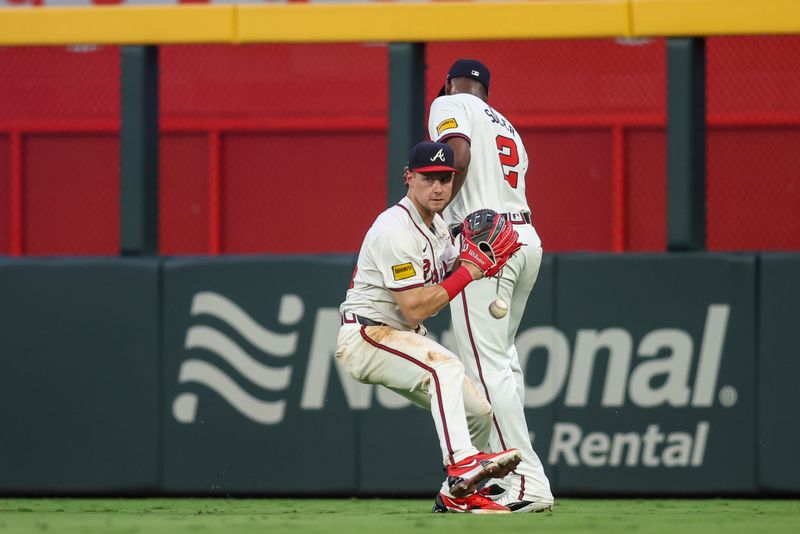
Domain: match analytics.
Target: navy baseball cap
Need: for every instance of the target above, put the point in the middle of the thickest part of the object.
(471, 68)
(429, 156)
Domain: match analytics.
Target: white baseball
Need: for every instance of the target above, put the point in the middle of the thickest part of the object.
(498, 309)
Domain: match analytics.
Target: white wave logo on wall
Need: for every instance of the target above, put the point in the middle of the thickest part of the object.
(198, 371)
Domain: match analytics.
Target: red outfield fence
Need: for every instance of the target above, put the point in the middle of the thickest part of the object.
(282, 148)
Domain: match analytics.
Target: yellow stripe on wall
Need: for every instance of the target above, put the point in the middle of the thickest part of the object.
(117, 25)
(441, 21)
(398, 22)
(715, 17)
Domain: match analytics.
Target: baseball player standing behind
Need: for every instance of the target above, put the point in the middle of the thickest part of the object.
(492, 162)
(400, 280)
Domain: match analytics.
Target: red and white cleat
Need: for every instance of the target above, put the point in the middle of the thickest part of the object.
(469, 474)
(494, 492)
(473, 504)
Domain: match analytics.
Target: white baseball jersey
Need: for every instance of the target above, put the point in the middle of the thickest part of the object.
(399, 252)
(498, 163)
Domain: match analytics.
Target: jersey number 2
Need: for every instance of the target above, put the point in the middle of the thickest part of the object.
(508, 157)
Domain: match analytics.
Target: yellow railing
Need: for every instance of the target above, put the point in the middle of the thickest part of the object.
(395, 22)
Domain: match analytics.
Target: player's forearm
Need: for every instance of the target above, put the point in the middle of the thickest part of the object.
(428, 301)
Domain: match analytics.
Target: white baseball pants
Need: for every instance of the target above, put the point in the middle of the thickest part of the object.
(428, 375)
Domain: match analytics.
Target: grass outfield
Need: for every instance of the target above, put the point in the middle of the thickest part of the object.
(382, 516)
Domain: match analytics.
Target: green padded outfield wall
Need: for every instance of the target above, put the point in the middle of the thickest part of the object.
(641, 377)
(657, 390)
(79, 387)
(779, 372)
(252, 401)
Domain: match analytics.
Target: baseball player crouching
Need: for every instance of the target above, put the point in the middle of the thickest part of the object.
(408, 269)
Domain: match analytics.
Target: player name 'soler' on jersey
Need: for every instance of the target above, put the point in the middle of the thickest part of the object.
(399, 253)
(498, 161)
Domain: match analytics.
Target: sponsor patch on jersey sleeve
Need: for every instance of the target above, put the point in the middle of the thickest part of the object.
(446, 125)
(403, 271)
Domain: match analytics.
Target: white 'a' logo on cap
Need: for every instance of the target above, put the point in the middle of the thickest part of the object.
(476, 73)
(439, 155)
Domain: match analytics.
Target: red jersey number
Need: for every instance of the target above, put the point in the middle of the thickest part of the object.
(509, 157)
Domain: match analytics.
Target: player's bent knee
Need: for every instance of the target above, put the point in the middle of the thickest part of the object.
(445, 364)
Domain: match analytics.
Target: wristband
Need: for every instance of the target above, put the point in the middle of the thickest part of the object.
(456, 282)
